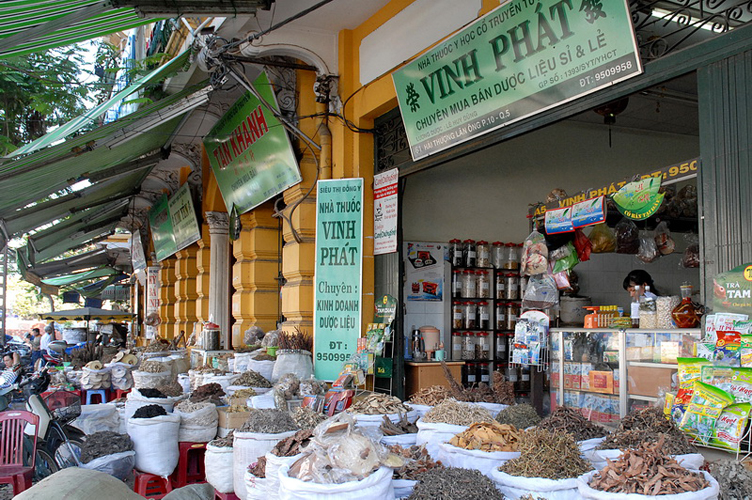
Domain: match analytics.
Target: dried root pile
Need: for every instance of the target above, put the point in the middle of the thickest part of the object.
(571, 421)
(454, 413)
(454, 484)
(417, 461)
(389, 428)
(500, 391)
(647, 471)
(547, 454)
(431, 396)
(289, 447)
(488, 436)
(378, 404)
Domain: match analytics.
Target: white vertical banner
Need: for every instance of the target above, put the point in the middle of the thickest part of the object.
(385, 187)
(152, 300)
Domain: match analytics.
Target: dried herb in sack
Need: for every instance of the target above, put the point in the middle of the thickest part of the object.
(521, 416)
(455, 413)
(417, 461)
(307, 418)
(648, 426)
(430, 396)
(149, 411)
(488, 436)
(404, 426)
(378, 404)
(101, 444)
(208, 392)
(547, 454)
(454, 484)
(269, 421)
(258, 469)
(291, 446)
(571, 420)
(734, 479)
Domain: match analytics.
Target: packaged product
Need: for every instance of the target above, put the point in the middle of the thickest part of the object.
(582, 244)
(602, 238)
(705, 407)
(730, 426)
(534, 255)
(663, 240)
(705, 350)
(728, 349)
(691, 256)
(690, 371)
(746, 353)
(679, 404)
(648, 251)
(627, 237)
(735, 381)
(744, 327)
(565, 258)
(726, 321)
(668, 402)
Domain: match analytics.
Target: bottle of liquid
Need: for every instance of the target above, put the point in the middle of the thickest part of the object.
(685, 314)
(634, 311)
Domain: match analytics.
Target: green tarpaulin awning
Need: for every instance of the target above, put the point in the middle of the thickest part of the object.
(72, 279)
(87, 314)
(78, 263)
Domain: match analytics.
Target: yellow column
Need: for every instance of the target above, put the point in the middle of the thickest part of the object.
(203, 263)
(254, 274)
(185, 290)
(167, 297)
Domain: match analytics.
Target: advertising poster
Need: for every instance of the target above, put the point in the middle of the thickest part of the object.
(520, 59)
(425, 271)
(589, 212)
(250, 152)
(185, 226)
(559, 221)
(338, 274)
(152, 299)
(160, 224)
(732, 291)
(385, 197)
(639, 200)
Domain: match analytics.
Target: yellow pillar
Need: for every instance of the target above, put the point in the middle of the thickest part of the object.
(167, 297)
(185, 290)
(203, 267)
(254, 274)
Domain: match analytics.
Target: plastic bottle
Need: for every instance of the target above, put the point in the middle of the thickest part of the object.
(634, 311)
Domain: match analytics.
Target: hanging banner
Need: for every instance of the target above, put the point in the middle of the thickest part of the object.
(160, 224)
(518, 60)
(559, 221)
(732, 291)
(152, 302)
(250, 152)
(640, 199)
(138, 257)
(385, 211)
(173, 223)
(338, 298)
(589, 212)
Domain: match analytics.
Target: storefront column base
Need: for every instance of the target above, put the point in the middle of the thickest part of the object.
(219, 277)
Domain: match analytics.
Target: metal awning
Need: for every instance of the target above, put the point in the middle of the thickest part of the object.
(175, 64)
(78, 263)
(72, 279)
(28, 26)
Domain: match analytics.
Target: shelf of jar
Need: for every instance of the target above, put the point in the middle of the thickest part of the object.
(460, 299)
(460, 330)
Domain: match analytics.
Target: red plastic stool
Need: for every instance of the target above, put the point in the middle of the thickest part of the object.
(118, 393)
(190, 469)
(151, 486)
(225, 496)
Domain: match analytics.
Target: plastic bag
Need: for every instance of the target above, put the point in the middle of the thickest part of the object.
(663, 240)
(97, 418)
(296, 362)
(602, 239)
(374, 487)
(256, 488)
(247, 448)
(583, 245)
(541, 293)
(273, 465)
(565, 258)
(648, 250)
(691, 257)
(431, 434)
(404, 440)
(199, 426)
(627, 237)
(119, 465)
(517, 486)
(585, 491)
(534, 255)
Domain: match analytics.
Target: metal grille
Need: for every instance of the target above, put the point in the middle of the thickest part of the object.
(391, 146)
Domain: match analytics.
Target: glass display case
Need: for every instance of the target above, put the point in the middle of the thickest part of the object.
(608, 372)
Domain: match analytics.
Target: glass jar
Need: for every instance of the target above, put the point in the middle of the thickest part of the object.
(468, 346)
(483, 250)
(458, 315)
(511, 286)
(483, 346)
(501, 314)
(470, 315)
(512, 373)
(523, 285)
(511, 256)
(501, 285)
(468, 252)
(497, 254)
(524, 378)
(455, 253)
(469, 284)
(685, 314)
(456, 283)
(513, 311)
(456, 346)
(472, 376)
(484, 284)
(484, 316)
(501, 347)
(484, 373)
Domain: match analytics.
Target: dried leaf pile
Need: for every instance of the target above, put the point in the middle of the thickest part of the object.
(269, 421)
(171, 390)
(153, 367)
(225, 442)
(648, 426)
(252, 378)
(101, 444)
(208, 392)
(389, 428)
(149, 411)
(734, 479)
(417, 461)
(289, 447)
(647, 471)
(378, 404)
(501, 391)
(547, 454)
(454, 484)
(307, 418)
(521, 416)
(488, 436)
(455, 413)
(571, 421)
(431, 396)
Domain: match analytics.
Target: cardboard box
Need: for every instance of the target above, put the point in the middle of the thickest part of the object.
(646, 381)
(231, 420)
(602, 381)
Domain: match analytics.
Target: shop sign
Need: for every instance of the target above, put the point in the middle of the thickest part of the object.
(732, 291)
(589, 212)
(250, 152)
(173, 223)
(522, 58)
(339, 274)
(152, 299)
(385, 212)
(639, 200)
(559, 221)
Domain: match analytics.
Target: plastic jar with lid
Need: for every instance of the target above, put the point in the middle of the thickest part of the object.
(470, 315)
(483, 250)
(497, 254)
(511, 286)
(483, 346)
(513, 311)
(484, 316)
(501, 347)
(501, 285)
(456, 283)
(484, 373)
(455, 253)
(501, 314)
(512, 373)
(469, 284)
(458, 315)
(468, 345)
(484, 284)
(525, 378)
(468, 252)
(523, 285)
(511, 256)
(472, 375)
(456, 346)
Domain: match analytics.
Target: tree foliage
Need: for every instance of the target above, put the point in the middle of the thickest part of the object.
(27, 301)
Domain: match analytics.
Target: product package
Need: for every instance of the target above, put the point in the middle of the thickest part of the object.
(728, 349)
(746, 351)
(534, 255)
(730, 426)
(705, 407)
(690, 371)
(627, 237)
(735, 381)
(602, 238)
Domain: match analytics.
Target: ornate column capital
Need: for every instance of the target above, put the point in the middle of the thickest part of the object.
(219, 222)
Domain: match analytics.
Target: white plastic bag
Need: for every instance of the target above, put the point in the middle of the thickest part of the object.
(255, 487)
(493, 408)
(97, 418)
(264, 368)
(119, 465)
(95, 379)
(218, 467)
(403, 488)
(552, 489)
(241, 361)
(147, 380)
(264, 401)
(199, 426)
(136, 400)
(377, 486)
(247, 447)
(585, 491)
(273, 466)
(404, 440)
(185, 382)
(484, 461)
(223, 380)
(121, 376)
(431, 434)
(298, 363)
(155, 441)
(588, 445)
(420, 410)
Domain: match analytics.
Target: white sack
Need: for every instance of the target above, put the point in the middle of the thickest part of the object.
(484, 461)
(377, 486)
(431, 434)
(155, 441)
(247, 448)
(218, 467)
(585, 491)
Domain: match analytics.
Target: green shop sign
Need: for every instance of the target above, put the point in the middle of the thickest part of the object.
(339, 274)
(250, 152)
(639, 199)
(732, 291)
(524, 57)
(173, 223)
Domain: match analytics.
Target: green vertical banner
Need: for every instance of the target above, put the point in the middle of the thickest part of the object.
(160, 224)
(338, 297)
(522, 58)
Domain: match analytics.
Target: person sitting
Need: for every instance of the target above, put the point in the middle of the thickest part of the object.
(640, 278)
